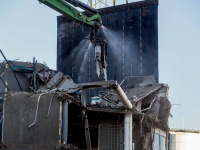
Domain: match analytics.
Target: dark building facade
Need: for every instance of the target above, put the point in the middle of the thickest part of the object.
(132, 30)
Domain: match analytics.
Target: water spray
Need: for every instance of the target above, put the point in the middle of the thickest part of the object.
(100, 46)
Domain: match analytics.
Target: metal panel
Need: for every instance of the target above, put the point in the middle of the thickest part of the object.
(133, 53)
(156, 145)
(9, 79)
(19, 113)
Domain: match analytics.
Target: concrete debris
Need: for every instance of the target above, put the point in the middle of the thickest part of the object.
(48, 93)
(68, 85)
(149, 99)
(68, 147)
(55, 80)
(140, 92)
(2, 146)
(61, 82)
(23, 78)
(42, 80)
(138, 81)
(161, 106)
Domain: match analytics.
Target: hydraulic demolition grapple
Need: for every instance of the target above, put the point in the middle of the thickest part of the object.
(97, 36)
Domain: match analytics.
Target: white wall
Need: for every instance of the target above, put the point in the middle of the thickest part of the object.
(186, 141)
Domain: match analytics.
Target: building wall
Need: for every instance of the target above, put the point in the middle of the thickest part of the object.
(184, 141)
(132, 30)
(19, 113)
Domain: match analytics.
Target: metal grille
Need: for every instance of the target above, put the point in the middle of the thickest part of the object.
(109, 137)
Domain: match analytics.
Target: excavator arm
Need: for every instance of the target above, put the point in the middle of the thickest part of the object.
(97, 36)
(70, 12)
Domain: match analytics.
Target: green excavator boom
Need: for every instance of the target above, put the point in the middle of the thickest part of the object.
(72, 13)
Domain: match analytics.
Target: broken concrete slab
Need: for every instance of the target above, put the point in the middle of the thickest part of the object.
(68, 85)
(55, 80)
(140, 92)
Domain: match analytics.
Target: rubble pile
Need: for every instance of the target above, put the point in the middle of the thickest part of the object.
(41, 91)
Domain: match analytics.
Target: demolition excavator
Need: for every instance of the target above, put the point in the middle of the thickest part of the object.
(94, 22)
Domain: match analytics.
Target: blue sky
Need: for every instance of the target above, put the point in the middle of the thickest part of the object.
(29, 29)
(179, 63)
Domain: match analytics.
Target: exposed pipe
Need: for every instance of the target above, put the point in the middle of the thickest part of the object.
(36, 110)
(127, 117)
(128, 131)
(122, 96)
(65, 121)
(38, 106)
